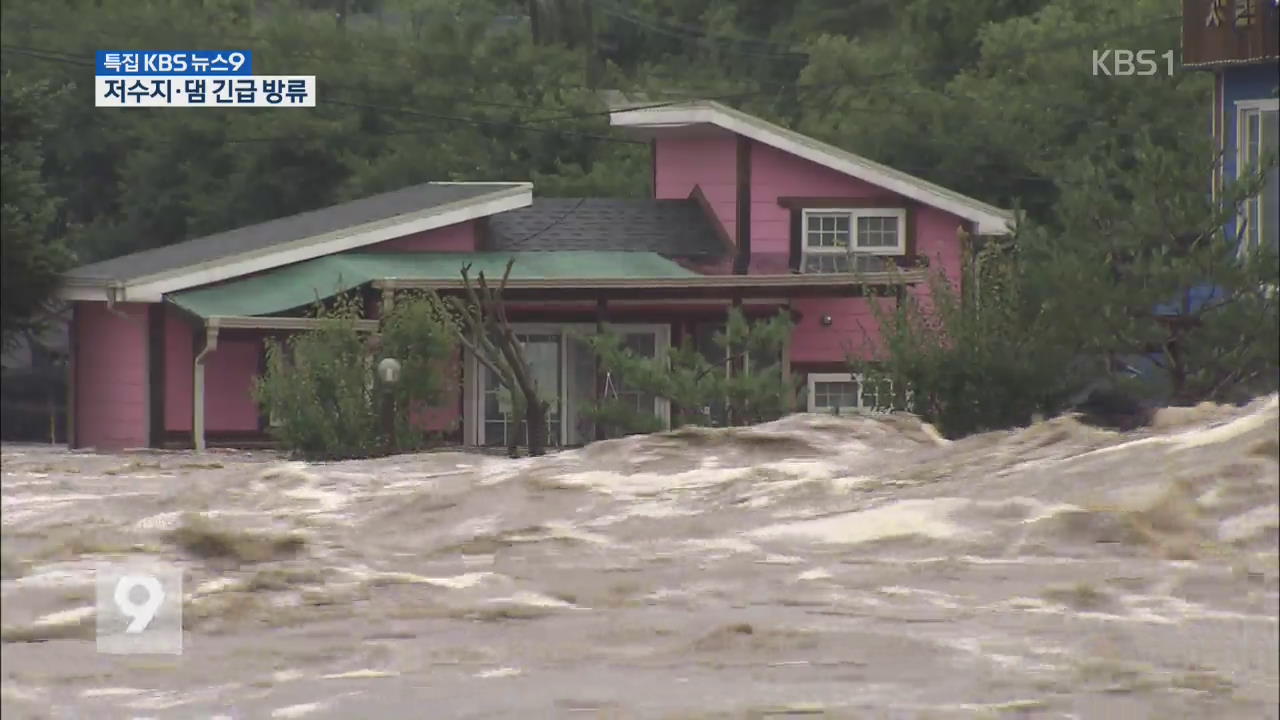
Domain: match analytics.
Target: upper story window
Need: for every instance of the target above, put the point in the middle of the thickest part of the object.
(1259, 139)
(855, 240)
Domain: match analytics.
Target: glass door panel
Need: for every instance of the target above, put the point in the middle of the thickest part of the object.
(542, 351)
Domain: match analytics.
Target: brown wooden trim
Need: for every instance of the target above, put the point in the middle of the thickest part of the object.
(1219, 131)
(197, 345)
(738, 365)
(818, 203)
(642, 293)
(653, 168)
(483, 234)
(1211, 40)
(722, 233)
(796, 249)
(155, 374)
(73, 365)
(601, 318)
(803, 370)
(264, 417)
(968, 233)
(181, 439)
(742, 261)
(787, 376)
(646, 316)
(909, 229)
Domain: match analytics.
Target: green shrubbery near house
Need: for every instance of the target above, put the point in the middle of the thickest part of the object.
(320, 387)
(699, 391)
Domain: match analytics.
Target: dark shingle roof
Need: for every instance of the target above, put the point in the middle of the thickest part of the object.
(283, 230)
(675, 228)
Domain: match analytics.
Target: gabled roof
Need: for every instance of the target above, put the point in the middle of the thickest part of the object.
(145, 276)
(989, 219)
(674, 228)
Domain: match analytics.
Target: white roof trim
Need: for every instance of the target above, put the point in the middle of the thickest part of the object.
(989, 219)
(152, 288)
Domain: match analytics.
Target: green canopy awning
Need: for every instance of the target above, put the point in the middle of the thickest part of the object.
(301, 284)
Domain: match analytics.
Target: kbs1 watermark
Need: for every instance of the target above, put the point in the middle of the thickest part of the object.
(1130, 63)
(139, 608)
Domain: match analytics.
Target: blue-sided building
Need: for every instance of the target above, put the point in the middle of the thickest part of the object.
(1239, 42)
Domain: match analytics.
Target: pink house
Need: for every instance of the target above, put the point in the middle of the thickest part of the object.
(166, 342)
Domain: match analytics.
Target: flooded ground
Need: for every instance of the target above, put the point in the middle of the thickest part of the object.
(812, 567)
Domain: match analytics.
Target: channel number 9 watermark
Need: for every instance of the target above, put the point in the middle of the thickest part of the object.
(139, 608)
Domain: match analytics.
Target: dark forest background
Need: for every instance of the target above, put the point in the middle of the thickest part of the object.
(994, 98)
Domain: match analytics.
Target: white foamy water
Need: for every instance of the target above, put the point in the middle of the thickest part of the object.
(858, 567)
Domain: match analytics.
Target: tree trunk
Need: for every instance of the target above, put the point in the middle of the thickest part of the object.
(487, 332)
(513, 426)
(537, 426)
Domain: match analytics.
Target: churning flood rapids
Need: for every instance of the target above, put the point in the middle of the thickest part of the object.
(810, 567)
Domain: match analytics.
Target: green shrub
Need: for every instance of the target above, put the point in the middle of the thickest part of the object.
(320, 390)
(693, 385)
(975, 363)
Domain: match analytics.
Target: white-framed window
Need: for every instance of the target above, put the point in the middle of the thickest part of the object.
(851, 240)
(1257, 138)
(839, 393)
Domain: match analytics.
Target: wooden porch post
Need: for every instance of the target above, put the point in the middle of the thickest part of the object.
(157, 361)
(737, 365)
(786, 363)
(73, 351)
(602, 317)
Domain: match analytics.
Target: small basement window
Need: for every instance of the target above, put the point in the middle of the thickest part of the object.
(837, 393)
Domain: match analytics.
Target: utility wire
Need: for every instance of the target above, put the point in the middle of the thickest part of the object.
(687, 35)
(862, 80)
(482, 122)
(380, 67)
(479, 122)
(1099, 127)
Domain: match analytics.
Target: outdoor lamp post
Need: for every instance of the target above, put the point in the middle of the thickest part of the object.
(389, 375)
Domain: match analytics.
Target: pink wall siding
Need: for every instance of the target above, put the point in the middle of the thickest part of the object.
(451, 238)
(854, 329)
(776, 174)
(709, 162)
(441, 416)
(228, 374)
(179, 339)
(111, 376)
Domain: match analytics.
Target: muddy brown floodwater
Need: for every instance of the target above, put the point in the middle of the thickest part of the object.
(811, 567)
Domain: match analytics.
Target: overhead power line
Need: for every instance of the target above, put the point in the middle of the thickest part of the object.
(56, 56)
(724, 43)
(1091, 38)
(826, 99)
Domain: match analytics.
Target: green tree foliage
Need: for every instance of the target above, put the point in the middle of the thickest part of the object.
(700, 392)
(978, 360)
(33, 253)
(1137, 267)
(994, 98)
(320, 385)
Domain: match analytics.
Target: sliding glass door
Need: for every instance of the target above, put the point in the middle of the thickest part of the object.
(567, 374)
(543, 354)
